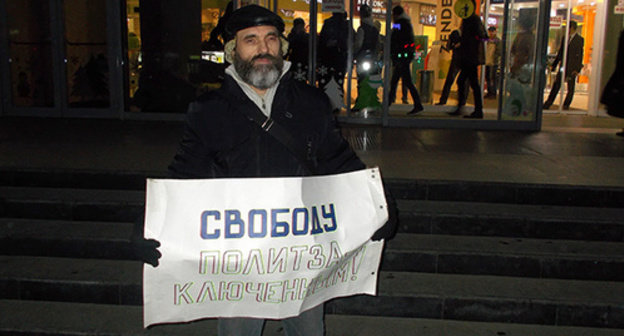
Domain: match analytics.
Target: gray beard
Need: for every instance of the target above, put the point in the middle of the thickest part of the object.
(261, 76)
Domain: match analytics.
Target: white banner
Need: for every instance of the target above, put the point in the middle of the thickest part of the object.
(260, 247)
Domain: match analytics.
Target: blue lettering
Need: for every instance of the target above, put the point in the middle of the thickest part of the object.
(263, 217)
(233, 219)
(316, 223)
(204, 224)
(330, 215)
(301, 222)
(277, 225)
(295, 220)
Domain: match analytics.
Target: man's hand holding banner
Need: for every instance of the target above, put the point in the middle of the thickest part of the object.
(261, 247)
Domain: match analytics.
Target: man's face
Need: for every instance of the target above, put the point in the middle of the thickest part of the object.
(257, 56)
(492, 33)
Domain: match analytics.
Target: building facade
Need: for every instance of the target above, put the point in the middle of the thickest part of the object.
(146, 59)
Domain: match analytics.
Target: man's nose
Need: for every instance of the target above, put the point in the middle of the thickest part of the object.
(263, 47)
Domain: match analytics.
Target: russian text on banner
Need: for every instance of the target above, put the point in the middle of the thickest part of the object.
(261, 247)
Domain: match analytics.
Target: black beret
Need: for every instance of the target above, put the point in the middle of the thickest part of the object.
(251, 16)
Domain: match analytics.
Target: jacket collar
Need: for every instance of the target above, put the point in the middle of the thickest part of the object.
(233, 84)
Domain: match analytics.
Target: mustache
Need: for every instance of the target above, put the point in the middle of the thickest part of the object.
(267, 56)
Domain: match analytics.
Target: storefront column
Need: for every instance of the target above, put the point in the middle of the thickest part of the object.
(387, 66)
(598, 52)
(4, 56)
(313, 42)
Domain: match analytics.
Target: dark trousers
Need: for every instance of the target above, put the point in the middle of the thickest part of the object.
(469, 73)
(402, 71)
(491, 79)
(448, 82)
(571, 80)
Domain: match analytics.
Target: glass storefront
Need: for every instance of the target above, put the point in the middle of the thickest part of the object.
(149, 59)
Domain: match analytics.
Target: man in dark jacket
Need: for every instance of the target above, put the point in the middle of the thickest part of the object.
(402, 49)
(220, 140)
(471, 55)
(573, 66)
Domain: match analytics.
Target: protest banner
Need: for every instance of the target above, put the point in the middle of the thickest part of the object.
(260, 247)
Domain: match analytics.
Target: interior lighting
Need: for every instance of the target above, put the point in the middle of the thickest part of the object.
(366, 65)
(561, 5)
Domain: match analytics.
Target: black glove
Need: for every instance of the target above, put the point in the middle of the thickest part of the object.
(146, 250)
(388, 231)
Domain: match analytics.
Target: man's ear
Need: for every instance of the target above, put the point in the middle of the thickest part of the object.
(229, 50)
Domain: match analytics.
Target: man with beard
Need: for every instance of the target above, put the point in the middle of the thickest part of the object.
(221, 140)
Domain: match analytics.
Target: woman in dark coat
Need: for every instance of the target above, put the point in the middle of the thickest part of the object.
(613, 94)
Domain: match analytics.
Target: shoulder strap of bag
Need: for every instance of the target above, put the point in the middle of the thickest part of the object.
(277, 131)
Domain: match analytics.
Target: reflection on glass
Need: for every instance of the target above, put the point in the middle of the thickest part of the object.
(30, 53)
(86, 53)
(519, 96)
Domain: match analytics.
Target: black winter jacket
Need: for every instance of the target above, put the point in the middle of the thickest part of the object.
(219, 141)
(472, 49)
(402, 46)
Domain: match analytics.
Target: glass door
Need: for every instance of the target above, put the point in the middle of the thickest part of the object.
(90, 64)
(569, 56)
(60, 57)
(523, 46)
(30, 73)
